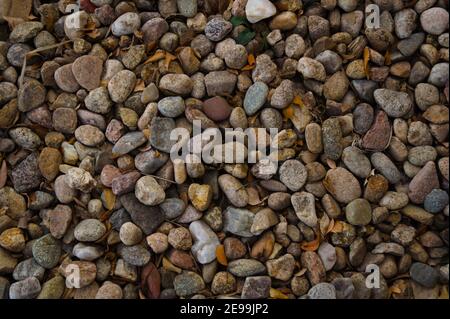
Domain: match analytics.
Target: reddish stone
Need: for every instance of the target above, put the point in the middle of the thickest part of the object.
(378, 136)
(217, 108)
(423, 183)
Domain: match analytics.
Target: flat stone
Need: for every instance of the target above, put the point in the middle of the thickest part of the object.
(340, 183)
(148, 218)
(378, 136)
(423, 183)
(424, 274)
(238, 221)
(87, 70)
(28, 288)
(304, 207)
(257, 287)
(245, 267)
(395, 104)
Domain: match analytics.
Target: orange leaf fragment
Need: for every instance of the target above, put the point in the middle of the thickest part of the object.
(140, 86)
(220, 255)
(251, 63)
(251, 59)
(330, 226)
(276, 294)
(248, 68)
(109, 198)
(298, 101)
(338, 227)
(169, 58)
(311, 245)
(387, 58)
(288, 113)
(159, 55)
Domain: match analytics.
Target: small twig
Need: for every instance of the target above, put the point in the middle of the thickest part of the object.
(163, 179)
(44, 48)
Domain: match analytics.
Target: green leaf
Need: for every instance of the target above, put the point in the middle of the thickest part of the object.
(235, 21)
(245, 36)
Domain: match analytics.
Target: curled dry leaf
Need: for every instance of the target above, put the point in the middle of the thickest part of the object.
(338, 227)
(277, 294)
(169, 266)
(109, 198)
(331, 164)
(220, 255)
(311, 245)
(366, 57)
(151, 281)
(251, 63)
(140, 86)
(3, 174)
(298, 101)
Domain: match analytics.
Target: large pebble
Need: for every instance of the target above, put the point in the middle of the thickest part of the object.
(89, 230)
(304, 206)
(342, 185)
(28, 288)
(87, 70)
(238, 221)
(149, 192)
(126, 24)
(293, 174)
(423, 183)
(255, 97)
(121, 85)
(233, 189)
(395, 104)
(434, 20)
(257, 10)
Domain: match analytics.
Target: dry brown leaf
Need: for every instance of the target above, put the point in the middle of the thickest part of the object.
(366, 57)
(159, 55)
(16, 8)
(13, 21)
(248, 68)
(331, 163)
(94, 34)
(301, 272)
(288, 113)
(251, 63)
(220, 255)
(3, 174)
(168, 59)
(311, 245)
(140, 86)
(444, 292)
(251, 59)
(330, 226)
(276, 294)
(298, 101)
(109, 198)
(169, 266)
(387, 58)
(338, 227)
